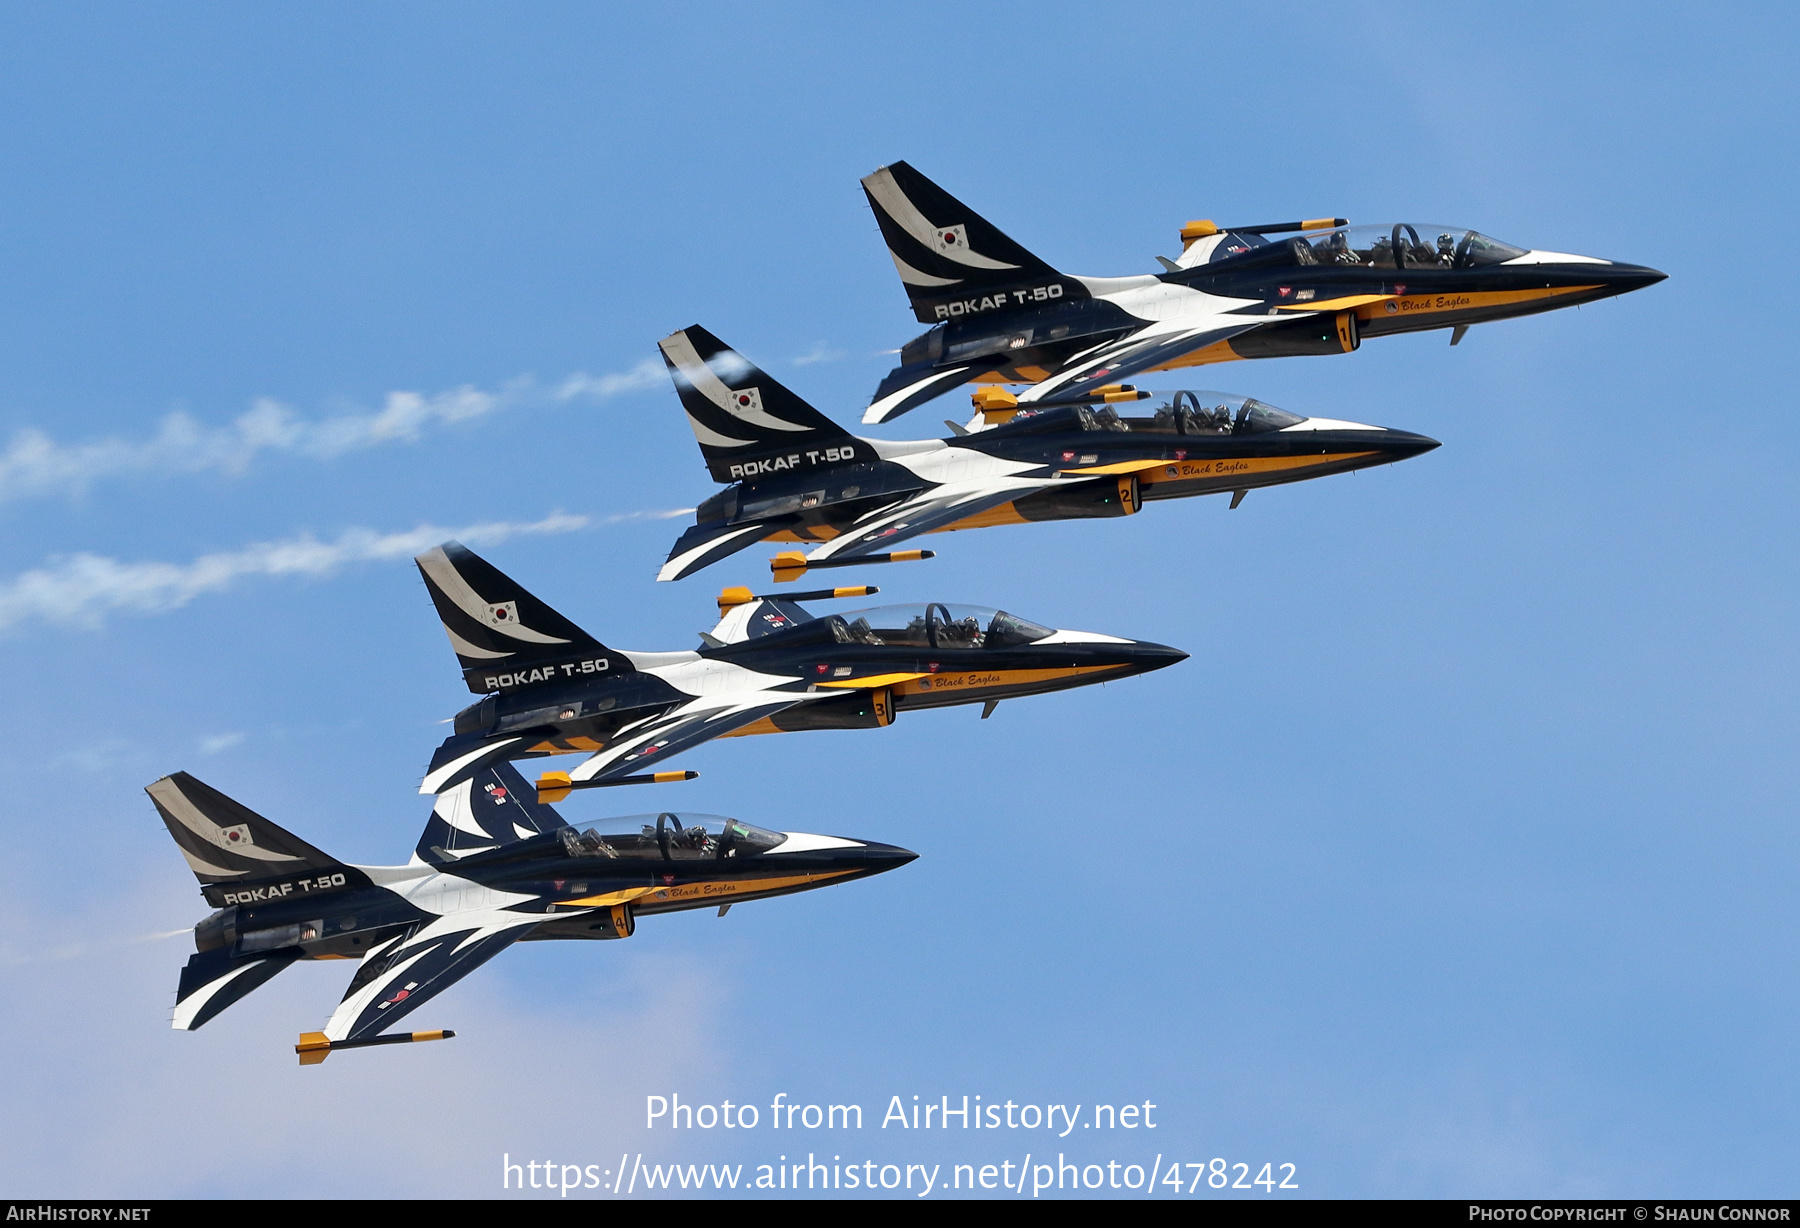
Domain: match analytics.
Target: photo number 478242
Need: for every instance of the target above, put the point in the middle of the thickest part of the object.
(1220, 1175)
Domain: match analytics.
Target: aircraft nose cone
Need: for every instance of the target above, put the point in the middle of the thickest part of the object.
(1148, 656)
(1402, 445)
(881, 858)
(1628, 277)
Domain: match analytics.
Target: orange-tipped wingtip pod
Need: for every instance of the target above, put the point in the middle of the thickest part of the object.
(1196, 230)
(734, 596)
(788, 566)
(553, 787)
(314, 1048)
(997, 405)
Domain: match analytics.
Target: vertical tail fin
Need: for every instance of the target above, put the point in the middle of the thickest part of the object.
(504, 637)
(225, 842)
(235, 852)
(495, 807)
(950, 258)
(746, 422)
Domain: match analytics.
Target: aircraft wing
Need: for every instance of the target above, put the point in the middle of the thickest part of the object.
(911, 386)
(684, 727)
(705, 544)
(421, 964)
(1137, 352)
(937, 508)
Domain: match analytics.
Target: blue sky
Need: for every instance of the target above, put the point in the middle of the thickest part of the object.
(1457, 860)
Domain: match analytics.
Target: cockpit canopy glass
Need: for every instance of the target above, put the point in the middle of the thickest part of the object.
(1184, 413)
(1216, 413)
(671, 837)
(1404, 245)
(1064, 418)
(935, 625)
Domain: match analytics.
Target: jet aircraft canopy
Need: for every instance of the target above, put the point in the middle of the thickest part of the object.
(935, 625)
(1404, 245)
(1187, 412)
(671, 837)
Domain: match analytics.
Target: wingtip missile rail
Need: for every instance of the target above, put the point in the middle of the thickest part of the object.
(730, 598)
(998, 406)
(315, 1048)
(553, 787)
(790, 565)
(1201, 228)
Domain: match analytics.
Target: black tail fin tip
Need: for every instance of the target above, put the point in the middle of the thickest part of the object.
(747, 422)
(495, 807)
(226, 842)
(950, 258)
(494, 624)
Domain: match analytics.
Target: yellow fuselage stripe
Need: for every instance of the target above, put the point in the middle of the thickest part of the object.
(1191, 471)
(696, 891)
(994, 516)
(872, 680)
(1470, 300)
(1335, 304)
(981, 680)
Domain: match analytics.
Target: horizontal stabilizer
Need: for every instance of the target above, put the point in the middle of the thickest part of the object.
(1133, 354)
(662, 737)
(938, 508)
(705, 544)
(909, 387)
(458, 758)
(213, 980)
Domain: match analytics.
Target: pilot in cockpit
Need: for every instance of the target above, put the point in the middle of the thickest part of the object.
(695, 837)
(960, 633)
(1337, 249)
(862, 633)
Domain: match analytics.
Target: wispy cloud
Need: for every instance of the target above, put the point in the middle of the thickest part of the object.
(34, 465)
(819, 353)
(218, 742)
(82, 589)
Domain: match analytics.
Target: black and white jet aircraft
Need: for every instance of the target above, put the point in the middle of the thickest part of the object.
(796, 476)
(769, 666)
(1001, 315)
(493, 867)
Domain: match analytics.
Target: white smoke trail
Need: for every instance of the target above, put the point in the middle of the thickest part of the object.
(35, 465)
(81, 589)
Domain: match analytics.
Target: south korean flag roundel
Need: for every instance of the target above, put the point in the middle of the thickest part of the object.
(505, 614)
(950, 238)
(746, 403)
